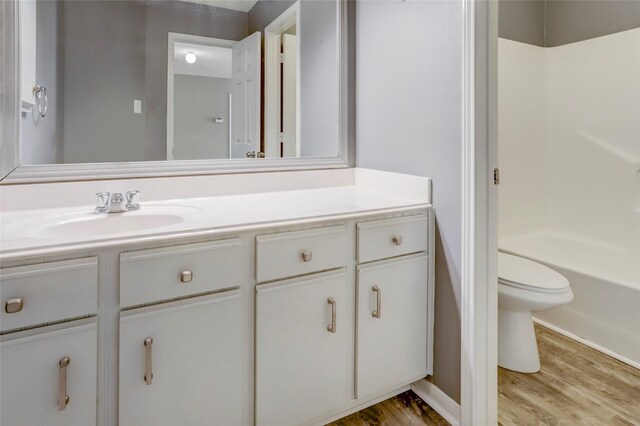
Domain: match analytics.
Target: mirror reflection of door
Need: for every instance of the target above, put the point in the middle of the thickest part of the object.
(289, 103)
(282, 85)
(245, 128)
(213, 112)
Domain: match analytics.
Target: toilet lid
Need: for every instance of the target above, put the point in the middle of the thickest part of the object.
(524, 273)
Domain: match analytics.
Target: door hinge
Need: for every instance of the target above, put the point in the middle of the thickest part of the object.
(496, 176)
(281, 136)
(282, 58)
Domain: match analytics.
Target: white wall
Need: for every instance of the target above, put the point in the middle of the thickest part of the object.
(580, 177)
(409, 120)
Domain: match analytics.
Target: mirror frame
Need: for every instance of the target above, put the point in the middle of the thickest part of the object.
(10, 146)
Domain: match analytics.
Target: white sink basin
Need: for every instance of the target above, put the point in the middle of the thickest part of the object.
(87, 223)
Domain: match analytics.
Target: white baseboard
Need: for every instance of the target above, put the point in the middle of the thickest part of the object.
(438, 400)
(589, 343)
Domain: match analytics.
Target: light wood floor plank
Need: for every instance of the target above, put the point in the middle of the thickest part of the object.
(405, 409)
(577, 386)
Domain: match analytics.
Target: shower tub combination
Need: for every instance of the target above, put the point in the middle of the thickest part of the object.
(605, 280)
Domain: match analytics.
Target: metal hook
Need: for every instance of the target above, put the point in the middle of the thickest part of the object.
(42, 101)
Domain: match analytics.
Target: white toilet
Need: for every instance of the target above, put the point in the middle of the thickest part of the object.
(524, 286)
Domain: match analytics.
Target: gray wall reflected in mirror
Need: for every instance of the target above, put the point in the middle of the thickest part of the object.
(114, 94)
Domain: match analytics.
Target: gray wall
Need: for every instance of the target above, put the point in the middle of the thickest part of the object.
(197, 100)
(43, 137)
(522, 20)
(571, 21)
(265, 11)
(550, 23)
(104, 73)
(409, 120)
(116, 51)
(319, 97)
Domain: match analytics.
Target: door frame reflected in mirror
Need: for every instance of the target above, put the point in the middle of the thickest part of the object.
(15, 172)
(174, 38)
(273, 80)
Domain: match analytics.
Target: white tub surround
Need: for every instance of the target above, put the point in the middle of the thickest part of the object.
(569, 148)
(321, 281)
(205, 205)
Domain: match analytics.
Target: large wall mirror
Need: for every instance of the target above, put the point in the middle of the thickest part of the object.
(145, 86)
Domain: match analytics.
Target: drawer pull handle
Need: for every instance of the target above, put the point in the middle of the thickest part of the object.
(307, 256)
(378, 312)
(397, 240)
(148, 375)
(14, 305)
(186, 276)
(63, 398)
(332, 326)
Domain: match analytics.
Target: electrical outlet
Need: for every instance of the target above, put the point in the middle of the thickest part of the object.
(137, 106)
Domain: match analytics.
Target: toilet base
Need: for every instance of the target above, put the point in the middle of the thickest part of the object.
(517, 345)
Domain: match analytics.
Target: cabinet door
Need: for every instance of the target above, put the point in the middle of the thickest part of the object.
(36, 377)
(181, 363)
(303, 369)
(393, 307)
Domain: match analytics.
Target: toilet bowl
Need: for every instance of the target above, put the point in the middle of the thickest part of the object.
(524, 286)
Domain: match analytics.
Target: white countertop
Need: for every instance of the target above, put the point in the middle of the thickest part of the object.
(369, 192)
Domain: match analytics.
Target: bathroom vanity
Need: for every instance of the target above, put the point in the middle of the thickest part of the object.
(317, 307)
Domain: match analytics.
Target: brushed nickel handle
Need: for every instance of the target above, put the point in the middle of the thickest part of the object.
(307, 256)
(148, 375)
(186, 276)
(378, 312)
(332, 326)
(63, 398)
(397, 240)
(14, 305)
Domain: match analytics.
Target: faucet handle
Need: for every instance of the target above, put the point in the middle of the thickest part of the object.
(133, 198)
(102, 202)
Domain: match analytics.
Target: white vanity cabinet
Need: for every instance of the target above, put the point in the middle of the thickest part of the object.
(49, 375)
(392, 324)
(181, 362)
(48, 349)
(299, 324)
(304, 348)
(395, 304)
(181, 335)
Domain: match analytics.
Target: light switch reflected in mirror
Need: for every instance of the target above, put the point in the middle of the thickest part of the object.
(179, 80)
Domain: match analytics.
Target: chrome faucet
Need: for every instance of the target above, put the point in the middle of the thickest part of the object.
(116, 203)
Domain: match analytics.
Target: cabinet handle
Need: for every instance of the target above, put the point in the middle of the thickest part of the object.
(307, 256)
(186, 276)
(332, 326)
(14, 305)
(148, 375)
(378, 312)
(63, 398)
(397, 240)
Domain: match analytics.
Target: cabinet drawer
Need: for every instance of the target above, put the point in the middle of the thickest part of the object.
(48, 292)
(33, 382)
(381, 239)
(289, 254)
(148, 276)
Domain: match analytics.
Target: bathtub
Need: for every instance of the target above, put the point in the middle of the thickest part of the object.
(605, 312)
